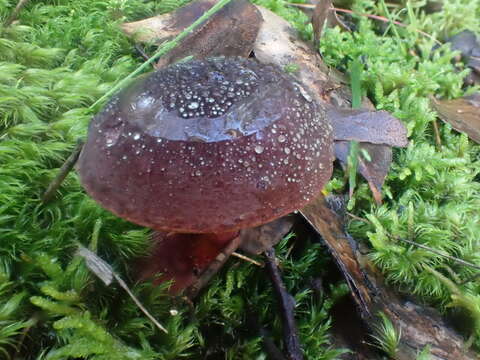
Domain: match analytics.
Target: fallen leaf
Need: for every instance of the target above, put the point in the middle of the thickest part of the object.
(463, 114)
(420, 326)
(105, 273)
(467, 44)
(229, 32)
(375, 170)
(362, 125)
(258, 239)
(376, 131)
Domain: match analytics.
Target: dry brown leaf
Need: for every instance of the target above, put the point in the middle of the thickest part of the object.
(419, 326)
(467, 44)
(229, 32)
(258, 239)
(463, 114)
(376, 131)
(374, 171)
(376, 127)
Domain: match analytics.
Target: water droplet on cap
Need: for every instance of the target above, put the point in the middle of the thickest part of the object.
(193, 105)
(259, 149)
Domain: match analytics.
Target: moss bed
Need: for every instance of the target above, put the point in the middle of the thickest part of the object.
(60, 56)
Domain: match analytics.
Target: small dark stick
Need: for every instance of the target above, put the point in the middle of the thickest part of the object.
(269, 346)
(287, 306)
(64, 170)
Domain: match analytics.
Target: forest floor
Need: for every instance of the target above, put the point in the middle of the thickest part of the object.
(58, 57)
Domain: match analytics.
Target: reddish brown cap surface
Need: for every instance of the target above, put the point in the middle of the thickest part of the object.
(208, 146)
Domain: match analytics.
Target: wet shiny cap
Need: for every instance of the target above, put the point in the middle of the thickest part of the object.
(208, 146)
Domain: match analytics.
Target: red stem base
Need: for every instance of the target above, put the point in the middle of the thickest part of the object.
(182, 257)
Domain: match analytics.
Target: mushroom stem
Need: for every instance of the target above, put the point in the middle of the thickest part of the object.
(182, 257)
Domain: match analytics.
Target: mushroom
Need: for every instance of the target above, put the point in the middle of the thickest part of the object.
(202, 149)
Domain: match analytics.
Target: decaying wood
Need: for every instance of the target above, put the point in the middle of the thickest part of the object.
(419, 326)
(278, 43)
(319, 16)
(16, 11)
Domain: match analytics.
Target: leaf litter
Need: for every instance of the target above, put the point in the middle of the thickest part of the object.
(463, 114)
(233, 31)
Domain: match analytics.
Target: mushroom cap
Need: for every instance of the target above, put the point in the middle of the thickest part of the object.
(208, 146)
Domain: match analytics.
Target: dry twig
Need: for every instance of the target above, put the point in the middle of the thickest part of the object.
(287, 306)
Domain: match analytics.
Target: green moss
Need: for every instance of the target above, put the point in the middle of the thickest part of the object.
(62, 56)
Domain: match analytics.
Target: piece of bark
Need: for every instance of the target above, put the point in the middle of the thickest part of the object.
(258, 239)
(420, 326)
(374, 171)
(463, 114)
(278, 43)
(363, 125)
(230, 32)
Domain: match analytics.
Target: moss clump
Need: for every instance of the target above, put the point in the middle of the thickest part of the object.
(61, 56)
